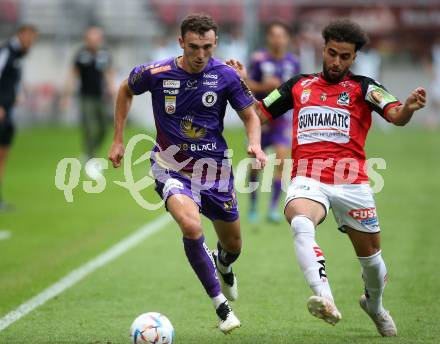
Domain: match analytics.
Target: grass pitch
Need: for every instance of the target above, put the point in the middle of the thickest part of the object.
(51, 237)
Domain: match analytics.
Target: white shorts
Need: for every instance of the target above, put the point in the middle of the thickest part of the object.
(352, 204)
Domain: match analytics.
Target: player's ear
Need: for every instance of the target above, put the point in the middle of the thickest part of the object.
(181, 42)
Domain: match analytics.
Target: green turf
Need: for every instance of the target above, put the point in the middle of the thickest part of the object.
(50, 237)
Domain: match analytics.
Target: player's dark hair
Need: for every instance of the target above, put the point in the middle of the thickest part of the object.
(27, 27)
(279, 23)
(198, 23)
(345, 30)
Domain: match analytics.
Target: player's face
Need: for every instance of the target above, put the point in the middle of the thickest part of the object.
(94, 38)
(337, 60)
(277, 38)
(27, 39)
(197, 49)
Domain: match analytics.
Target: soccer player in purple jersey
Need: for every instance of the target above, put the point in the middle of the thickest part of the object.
(189, 95)
(269, 68)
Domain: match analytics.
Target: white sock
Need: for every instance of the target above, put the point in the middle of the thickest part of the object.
(218, 300)
(310, 257)
(374, 274)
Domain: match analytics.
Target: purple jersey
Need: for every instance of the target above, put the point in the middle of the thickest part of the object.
(263, 65)
(189, 108)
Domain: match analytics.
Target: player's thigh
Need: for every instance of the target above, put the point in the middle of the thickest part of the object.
(305, 197)
(7, 133)
(354, 207)
(4, 150)
(175, 190)
(355, 213)
(282, 152)
(229, 235)
(186, 213)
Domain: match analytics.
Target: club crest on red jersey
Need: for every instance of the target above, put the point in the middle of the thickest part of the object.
(305, 95)
(343, 99)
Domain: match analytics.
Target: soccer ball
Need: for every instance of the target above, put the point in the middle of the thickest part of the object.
(152, 328)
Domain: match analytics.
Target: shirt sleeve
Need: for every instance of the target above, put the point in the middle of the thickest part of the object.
(139, 79)
(239, 96)
(4, 56)
(378, 97)
(280, 100)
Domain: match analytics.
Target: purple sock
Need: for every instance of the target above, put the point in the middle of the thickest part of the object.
(203, 265)
(276, 192)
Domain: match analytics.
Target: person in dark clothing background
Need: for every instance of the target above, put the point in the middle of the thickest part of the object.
(11, 54)
(92, 68)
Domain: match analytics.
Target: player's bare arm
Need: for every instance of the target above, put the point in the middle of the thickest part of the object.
(2, 114)
(69, 88)
(253, 131)
(123, 104)
(401, 115)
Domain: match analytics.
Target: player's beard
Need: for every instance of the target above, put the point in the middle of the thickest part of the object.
(333, 78)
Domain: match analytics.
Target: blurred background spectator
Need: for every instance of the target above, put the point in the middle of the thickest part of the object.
(403, 35)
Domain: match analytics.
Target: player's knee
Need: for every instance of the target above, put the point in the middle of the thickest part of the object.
(191, 228)
(302, 225)
(233, 244)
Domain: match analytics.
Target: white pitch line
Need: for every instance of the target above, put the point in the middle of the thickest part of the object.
(5, 235)
(77, 275)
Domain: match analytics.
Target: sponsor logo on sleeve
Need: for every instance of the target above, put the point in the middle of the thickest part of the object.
(160, 69)
(209, 98)
(343, 99)
(271, 98)
(171, 83)
(170, 104)
(379, 97)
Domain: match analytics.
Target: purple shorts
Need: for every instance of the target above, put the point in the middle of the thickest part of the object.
(216, 199)
(278, 132)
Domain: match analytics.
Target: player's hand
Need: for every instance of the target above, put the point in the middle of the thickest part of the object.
(416, 100)
(116, 154)
(2, 114)
(239, 68)
(258, 154)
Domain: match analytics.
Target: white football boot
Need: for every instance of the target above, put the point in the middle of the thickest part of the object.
(323, 308)
(228, 320)
(384, 322)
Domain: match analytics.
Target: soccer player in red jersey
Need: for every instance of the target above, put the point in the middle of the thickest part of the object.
(331, 119)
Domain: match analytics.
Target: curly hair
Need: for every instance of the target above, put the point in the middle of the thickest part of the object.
(345, 30)
(199, 23)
